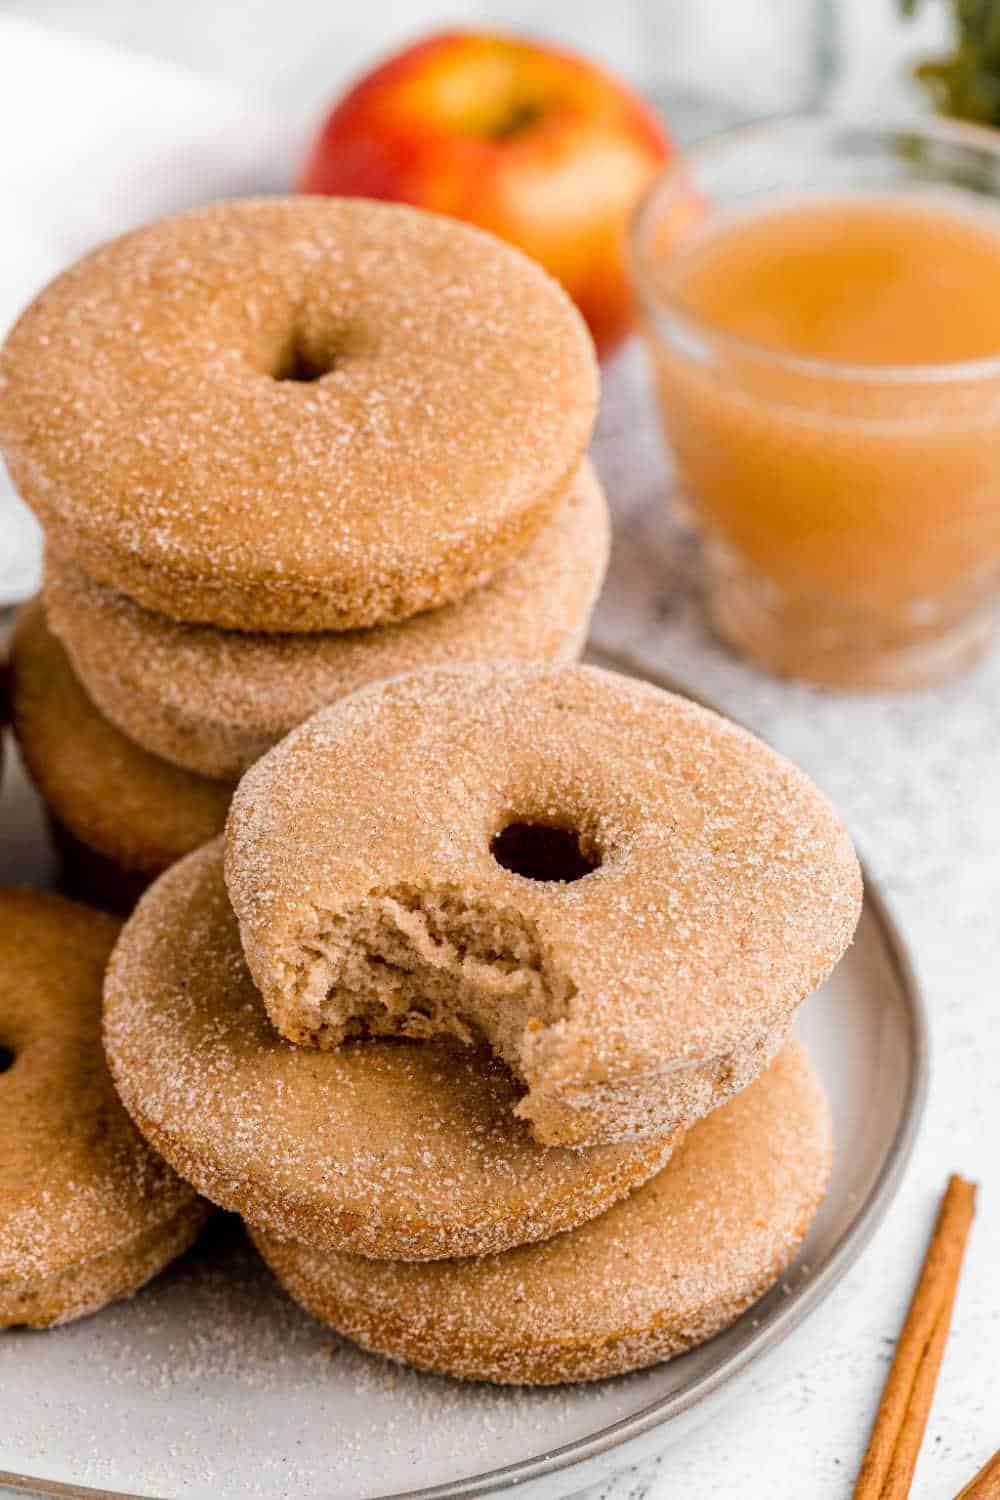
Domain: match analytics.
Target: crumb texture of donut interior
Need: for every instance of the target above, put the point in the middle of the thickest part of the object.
(411, 962)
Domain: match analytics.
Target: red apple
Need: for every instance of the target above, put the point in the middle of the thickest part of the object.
(541, 146)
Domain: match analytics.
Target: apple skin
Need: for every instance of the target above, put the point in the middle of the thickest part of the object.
(536, 144)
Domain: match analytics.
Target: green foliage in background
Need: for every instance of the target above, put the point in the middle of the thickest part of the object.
(966, 82)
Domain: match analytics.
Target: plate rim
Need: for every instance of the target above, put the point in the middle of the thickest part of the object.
(757, 1344)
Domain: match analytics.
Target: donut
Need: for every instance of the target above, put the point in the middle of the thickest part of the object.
(213, 701)
(392, 1148)
(119, 815)
(297, 414)
(661, 1271)
(88, 1213)
(624, 895)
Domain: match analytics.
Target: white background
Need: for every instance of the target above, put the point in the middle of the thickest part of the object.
(916, 778)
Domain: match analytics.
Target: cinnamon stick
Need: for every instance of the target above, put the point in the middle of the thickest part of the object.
(986, 1484)
(907, 1449)
(888, 1464)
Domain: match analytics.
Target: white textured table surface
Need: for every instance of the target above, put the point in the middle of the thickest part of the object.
(916, 779)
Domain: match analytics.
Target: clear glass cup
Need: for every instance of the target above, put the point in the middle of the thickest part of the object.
(849, 513)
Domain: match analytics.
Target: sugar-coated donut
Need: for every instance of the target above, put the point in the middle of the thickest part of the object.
(87, 1211)
(624, 894)
(297, 413)
(661, 1271)
(213, 701)
(384, 1148)
(119, 814)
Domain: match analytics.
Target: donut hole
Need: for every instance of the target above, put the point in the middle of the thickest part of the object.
(302, 365)
(7, 1058)
(544, 851)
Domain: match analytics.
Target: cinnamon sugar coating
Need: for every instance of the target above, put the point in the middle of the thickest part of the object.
(661, 1271)
(121, 815)
(716, 887)
(384, 1148)
(88, 1212)
(297, 414)
(213, 701)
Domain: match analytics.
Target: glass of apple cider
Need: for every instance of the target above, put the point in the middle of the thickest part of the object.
(821, 299)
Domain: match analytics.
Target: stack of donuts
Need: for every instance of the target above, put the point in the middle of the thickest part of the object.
(480, 1015)
(479, 1010)
(280, 448)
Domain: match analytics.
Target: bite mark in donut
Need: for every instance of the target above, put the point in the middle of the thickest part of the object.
(410, 962)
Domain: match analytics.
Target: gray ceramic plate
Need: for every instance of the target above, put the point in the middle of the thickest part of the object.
(211, 1384)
